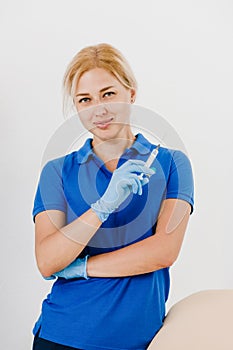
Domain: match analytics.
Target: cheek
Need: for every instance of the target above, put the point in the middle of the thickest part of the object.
(123, 110)
(85, 118)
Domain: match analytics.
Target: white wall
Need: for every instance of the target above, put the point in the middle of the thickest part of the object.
(181, 52)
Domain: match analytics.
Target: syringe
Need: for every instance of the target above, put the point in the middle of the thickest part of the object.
(150, 159)
(152, 156)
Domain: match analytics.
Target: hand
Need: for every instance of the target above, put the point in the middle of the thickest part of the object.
(123, 182)
(77, 269)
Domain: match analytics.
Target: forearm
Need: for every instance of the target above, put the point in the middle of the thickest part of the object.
(57, 250)
(142, 257)
(151, 254)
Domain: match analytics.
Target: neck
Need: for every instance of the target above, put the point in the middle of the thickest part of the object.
(112, 149)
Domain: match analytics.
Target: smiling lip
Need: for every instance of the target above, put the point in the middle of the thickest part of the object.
(104, 123)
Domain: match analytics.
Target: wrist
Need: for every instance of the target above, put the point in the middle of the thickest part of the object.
(85, 272)
(100, 210)
(89, 266)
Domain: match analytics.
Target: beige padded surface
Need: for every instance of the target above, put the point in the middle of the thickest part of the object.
(201, 321)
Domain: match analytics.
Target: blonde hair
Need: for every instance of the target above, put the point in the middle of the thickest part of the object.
(98, 56)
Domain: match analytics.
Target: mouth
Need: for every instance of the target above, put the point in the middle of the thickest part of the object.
(103, 124)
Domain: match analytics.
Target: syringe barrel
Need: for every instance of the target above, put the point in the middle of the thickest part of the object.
(152, 156)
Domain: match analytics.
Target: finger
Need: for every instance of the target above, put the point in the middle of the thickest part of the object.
(137, 168)
(134, 161)
(131, 163)
(147, 171)
(140, 165)
(146, 176)
(136, 183)
(144, 181)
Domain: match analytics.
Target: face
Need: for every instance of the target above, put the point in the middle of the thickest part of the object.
(103, 104)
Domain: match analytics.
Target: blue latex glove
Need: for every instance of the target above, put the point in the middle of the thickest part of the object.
(125, 180)
(77, 269)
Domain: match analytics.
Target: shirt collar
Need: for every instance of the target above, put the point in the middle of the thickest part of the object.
(85, 152)
(141, 145)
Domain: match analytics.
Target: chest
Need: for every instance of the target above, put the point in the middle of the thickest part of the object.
(84, 185)
(111, 165)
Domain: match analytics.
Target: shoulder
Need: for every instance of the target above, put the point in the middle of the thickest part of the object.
(59, 163)
(66, 163)
(167, 157)
(173, 157)
(165, 153)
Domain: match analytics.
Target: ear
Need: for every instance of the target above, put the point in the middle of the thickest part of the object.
(133, 95)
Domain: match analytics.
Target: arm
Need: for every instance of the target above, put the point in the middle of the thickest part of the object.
(57, 244)
(151, 254)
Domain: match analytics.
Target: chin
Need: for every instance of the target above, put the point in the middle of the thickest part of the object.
(105, 135)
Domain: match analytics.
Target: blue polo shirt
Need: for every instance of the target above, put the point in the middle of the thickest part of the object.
(109, 313)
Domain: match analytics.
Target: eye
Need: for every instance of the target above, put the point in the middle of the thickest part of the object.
(84, 100)
(109, 94)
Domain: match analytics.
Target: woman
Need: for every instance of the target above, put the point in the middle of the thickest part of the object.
(107, 225)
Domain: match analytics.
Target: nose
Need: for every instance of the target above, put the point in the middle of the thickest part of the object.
(100, 109)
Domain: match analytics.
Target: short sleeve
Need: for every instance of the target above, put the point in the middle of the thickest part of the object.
(180, 182)
(50, 193)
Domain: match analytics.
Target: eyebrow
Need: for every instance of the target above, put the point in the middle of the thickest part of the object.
(87, 93)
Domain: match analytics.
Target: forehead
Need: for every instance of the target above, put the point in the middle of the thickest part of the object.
(96, 79)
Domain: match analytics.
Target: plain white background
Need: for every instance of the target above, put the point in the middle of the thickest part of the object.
(181, 53)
